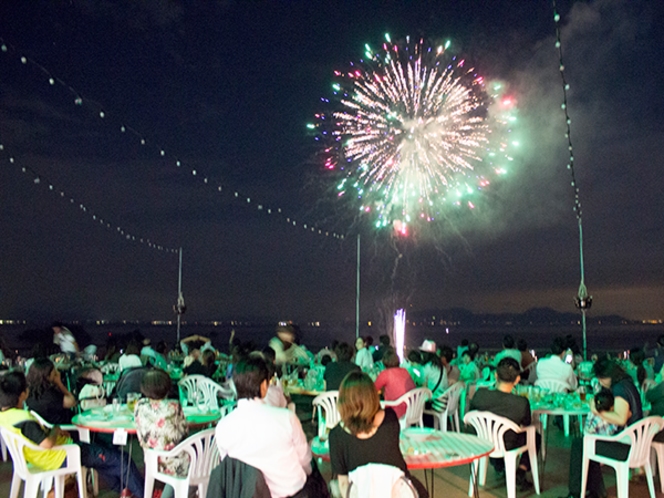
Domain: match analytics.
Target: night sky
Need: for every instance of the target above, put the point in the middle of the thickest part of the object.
(228, 87)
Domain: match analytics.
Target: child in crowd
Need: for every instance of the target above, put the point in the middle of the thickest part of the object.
(161, 424)
(594, 423)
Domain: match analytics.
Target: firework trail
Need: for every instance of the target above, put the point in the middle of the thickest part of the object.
(414, 131)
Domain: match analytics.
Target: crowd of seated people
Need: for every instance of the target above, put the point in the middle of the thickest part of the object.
(260, 376)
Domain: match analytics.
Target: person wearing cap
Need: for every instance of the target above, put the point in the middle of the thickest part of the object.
(433, 374)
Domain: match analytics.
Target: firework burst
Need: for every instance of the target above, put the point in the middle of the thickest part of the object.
(414, 131)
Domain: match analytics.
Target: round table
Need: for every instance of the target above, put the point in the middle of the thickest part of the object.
(429, 449)
(106, 420)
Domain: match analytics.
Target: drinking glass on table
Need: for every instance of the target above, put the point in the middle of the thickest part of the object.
(582, 393)
(131, 401)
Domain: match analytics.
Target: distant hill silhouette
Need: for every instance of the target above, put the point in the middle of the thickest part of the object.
(533, 316)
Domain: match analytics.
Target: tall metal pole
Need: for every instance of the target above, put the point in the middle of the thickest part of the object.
(179, 294)
(357, 291)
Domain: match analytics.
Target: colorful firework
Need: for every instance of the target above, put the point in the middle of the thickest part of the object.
(414, 130)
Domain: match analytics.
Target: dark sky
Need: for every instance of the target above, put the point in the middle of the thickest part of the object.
(227, 87)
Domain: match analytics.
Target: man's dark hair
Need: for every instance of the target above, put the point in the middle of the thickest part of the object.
(521, 344)
(414, 356)
(248, 376)
(508, 370)
(447, 353)
(384, 340)
(558, 346)
(468, 353)
(156, 384)
(508, 342)
(12, 385)
(604, 400)
(368, 341)
(344, 351)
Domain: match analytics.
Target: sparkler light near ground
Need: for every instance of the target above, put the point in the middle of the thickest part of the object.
(413, 132)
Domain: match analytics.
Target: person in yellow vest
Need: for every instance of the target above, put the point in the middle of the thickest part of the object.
(106, 460)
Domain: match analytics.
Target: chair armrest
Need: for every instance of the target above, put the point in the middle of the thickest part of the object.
(73, 455)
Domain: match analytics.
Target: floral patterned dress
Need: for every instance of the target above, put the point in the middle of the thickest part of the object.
(161, 425)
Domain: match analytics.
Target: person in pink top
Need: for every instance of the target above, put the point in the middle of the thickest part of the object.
(394, 381)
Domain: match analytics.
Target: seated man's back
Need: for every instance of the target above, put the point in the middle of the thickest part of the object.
(268, 438)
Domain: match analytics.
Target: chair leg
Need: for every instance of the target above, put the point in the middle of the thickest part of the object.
(659, 451)
(81, 480)
(16, 485)
(534, 469)
(484, 464)
(442, 422)
(474, 477)
(510, 474)
(651, 483)
(60, 487)
(622, 482)
(584, 475)
(31, 487)
(149, 487)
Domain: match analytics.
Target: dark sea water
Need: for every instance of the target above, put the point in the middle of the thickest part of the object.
(21, 337)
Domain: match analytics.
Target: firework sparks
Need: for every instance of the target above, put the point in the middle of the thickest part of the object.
(414, 129)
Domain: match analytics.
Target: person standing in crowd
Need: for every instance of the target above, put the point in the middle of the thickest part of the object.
(500, 401)
(553, 366)
(626, 410)
(337, 370)
(286, 351)
(384, 341)
(394, 381)
(64, 339)
(48, 395)
(363, 358)
(366, 434)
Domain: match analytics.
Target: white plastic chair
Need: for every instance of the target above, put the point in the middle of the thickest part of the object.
(72, 428)
(451, 412)
(203, 457)
(110, 368)
(200, 387)
(493, 428)
(325, 405)
(639, 437)
(556, 386)
(414, 399)
(32, 476)
(375, 479)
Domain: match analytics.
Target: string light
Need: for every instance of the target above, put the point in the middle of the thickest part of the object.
(39, 179)
(582, 300)
(79, 100)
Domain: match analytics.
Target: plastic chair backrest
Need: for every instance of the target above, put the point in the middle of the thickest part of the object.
(453, 394)
(415, 400)
(491, 427)
(639, 436)
(110, 368)
(203, 453)
(553, 385)
(377, 479)
(325, 405)
(15, 445)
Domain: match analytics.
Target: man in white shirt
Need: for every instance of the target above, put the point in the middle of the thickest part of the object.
(267, 438)
(553, 366)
